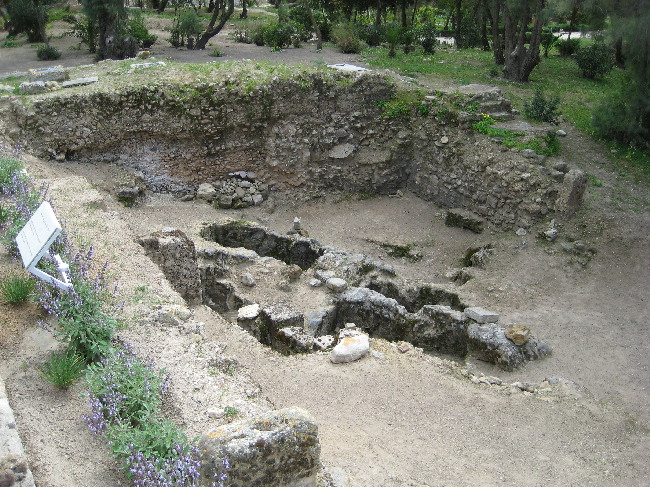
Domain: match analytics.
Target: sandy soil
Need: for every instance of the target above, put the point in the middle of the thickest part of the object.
(408, 419)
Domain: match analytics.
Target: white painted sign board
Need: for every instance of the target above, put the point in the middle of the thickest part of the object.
(34, 241)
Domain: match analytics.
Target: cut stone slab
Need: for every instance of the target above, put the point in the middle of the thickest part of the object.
(341, 151)
(80, 82)
(481, 315)
(352, 346)
(348, 67)
(460, 218)
(12, 454)
(55, 73)
(279, 448)
(147, 65)
(250, 312)
(34, 87)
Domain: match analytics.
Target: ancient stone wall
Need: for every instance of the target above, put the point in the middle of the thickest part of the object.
(311, 135)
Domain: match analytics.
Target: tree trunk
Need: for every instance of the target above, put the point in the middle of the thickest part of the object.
(319, 35)
(244, 10)
(458, 20)
(404, 18)
(497, 42)
(519, 60)
(162, 6)
(223, 14)
(378, 16)
(618, 53)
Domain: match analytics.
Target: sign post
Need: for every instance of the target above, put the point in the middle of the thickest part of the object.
(34, 242)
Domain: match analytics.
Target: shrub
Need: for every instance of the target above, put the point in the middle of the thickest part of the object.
(9, 169)
(568, 47)
(542, 109)
(63, 368)
(216, 52)
(393, 33)
(24, 16)
(548, 41)
(86, 326)
(595, 60)
(347, 38)
(279, 35)
(187, 26)
(47, 53)
(625, 117)
(372, 34)
(85, 30)
(139, 30)
(17, 289)
(407, 39)
(426, 34)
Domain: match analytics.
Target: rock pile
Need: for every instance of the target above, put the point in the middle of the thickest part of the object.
(241, 190)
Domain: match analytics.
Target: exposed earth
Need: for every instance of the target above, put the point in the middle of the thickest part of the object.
(407, 419)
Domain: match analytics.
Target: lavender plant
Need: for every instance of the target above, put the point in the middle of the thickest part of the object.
(85, 323)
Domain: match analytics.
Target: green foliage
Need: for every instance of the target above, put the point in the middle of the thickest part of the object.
(9, 44)
(548, 40)
(139, 30)
(231, 412)
(187, 27)
(625, 115)
(549, 145)
(279, 35)
(542, 109)
(47, 53)
(427, 34)
(17, 289)
(138, 385)
(567, 47)
(372, 34)
(347, 38)
(299, 16)
(9, 168)
(62, 368)
(595, 60)
(393, 34)
(216, 52)
(85, 29)
(27, 17)
(85, 326)
(157, 438)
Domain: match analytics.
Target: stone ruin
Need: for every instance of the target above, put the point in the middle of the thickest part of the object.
(358, 290)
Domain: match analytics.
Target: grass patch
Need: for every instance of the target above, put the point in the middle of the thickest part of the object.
(63, 368)
(548, 145)
(17, 289)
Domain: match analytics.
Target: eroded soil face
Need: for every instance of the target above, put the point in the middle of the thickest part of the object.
(407, 419)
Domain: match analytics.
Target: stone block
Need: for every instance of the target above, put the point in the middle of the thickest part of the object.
(55, 73)
(572, 190)
(464, 219)
(352, 345)
(80, 82)
(279, 448)
(31, 88)
(293, 339)
(481, 315)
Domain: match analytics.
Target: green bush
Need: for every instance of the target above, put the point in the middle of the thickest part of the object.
(9, 168)
(625, 117)
(47, 53)
(63, 368)
(347, 38)
(426, 34)
(216, 52)
(548, 41)
(372, 34)
(568, 47)
(407, 39)
(24, 16)
(17, 289)
(393, 33)
(187, 26)
(279, 35)
(595, 60)
(85, 30)
(139, 30)
(542, 109)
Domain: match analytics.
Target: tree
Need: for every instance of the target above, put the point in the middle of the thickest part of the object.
(29, 17)
(222, 12)
(115, 41)
(519, 59)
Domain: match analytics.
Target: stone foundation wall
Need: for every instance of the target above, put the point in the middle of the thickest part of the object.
(327, 132)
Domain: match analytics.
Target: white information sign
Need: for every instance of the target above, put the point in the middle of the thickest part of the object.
(34, 241)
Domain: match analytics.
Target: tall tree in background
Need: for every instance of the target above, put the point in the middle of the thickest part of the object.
(626, 117)
(223, 10)
(115, 41)
(521, 55)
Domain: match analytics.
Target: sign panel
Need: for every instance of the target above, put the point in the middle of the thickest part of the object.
(34, 241)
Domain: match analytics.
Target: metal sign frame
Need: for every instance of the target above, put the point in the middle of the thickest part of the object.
(34, 242)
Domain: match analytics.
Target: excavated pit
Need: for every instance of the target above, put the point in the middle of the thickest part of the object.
(293, 267)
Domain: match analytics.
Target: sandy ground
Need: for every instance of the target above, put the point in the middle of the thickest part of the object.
(407, 419)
